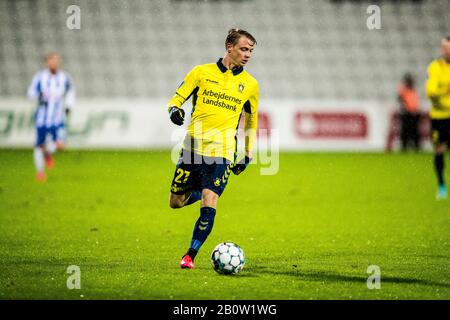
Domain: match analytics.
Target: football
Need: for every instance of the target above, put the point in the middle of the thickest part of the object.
(227, 258)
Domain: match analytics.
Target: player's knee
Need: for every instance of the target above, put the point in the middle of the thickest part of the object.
(440, 148)
(175, 202)
(209, 198)
(60, 146)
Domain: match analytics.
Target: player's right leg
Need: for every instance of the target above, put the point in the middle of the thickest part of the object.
(177, 201)
(184, 189)
(38, 153)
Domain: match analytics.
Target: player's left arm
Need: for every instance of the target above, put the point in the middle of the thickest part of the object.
(251, 122)
(250, 127)
(69, 95)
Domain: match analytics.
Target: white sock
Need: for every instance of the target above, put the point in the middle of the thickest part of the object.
(39, 159)
(51, 147)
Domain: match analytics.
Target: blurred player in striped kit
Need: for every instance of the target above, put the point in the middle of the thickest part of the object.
(54, 92)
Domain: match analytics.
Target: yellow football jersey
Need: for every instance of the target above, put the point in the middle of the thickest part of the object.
(218, 97)
(438, 89)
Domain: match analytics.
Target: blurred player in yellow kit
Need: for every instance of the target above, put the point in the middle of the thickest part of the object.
(438, 91)
(221, 92)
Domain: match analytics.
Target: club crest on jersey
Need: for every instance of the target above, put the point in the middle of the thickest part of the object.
(240, 87)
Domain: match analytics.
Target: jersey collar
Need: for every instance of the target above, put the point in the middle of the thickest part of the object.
(52, 74)
(235, 70)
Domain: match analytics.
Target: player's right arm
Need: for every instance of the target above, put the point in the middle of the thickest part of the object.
(34, 91)
(183, 93)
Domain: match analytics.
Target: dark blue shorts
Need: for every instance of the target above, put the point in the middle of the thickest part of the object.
(43, 132)
(440, 131)
(196, 172)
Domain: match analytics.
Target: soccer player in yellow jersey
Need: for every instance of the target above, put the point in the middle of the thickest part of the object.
(438, 91)
(221, 93)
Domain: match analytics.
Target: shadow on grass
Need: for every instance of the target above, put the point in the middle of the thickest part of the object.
(246, 275)
(324, 276)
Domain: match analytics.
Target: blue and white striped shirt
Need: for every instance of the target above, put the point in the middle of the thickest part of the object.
(54, 93)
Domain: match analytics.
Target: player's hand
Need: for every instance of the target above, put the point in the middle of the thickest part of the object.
(237, 168)
(42, 100)
(176, 115)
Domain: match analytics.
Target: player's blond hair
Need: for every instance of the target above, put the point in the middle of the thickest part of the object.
(51, 54)
(235, 34)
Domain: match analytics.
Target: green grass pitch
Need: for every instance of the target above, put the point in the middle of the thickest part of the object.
(308, 232)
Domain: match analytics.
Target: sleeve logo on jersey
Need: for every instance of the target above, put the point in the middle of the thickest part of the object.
(212, 81)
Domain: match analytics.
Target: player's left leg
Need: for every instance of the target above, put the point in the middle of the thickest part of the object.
(416, 132)
(439, 165)
(439, 139)
(51, 148)
(61, 135)
(404, 131)
(48, 154)
(205, 222)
